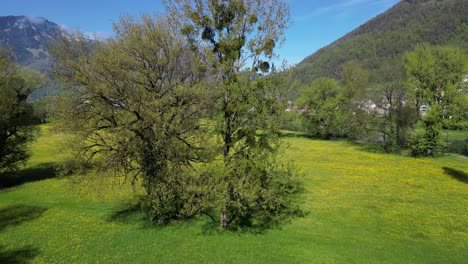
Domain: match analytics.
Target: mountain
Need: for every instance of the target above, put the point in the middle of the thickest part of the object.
(28, 37)
(391, 34)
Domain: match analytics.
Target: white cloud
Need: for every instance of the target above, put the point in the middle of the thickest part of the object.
(100, 36)
(35, 20)
(25, 21)
(67, 30)
(64, 27)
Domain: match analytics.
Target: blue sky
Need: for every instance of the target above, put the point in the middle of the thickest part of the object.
(317, 23)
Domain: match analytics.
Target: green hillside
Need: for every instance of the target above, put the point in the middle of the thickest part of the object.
(391, 34)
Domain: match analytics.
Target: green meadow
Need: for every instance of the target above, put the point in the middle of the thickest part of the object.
(362, 207)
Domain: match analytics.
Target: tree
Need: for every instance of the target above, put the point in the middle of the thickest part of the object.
(134, 106)
(16, 114)
(435, 77)
(324, 104)
(355, 80)
(253, 188)
(394, 109)
(457, 111)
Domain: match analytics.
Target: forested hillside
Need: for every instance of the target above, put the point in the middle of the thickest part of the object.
(391, 34)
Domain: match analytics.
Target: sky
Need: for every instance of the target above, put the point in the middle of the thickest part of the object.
(316, 23)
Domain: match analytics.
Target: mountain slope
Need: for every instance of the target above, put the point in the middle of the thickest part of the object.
(28, 37)
(391, 34)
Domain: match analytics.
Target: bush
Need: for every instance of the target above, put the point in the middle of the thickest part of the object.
(294, 121)
(455, 125)
(179, 197)
(423, 145)
(262, 190)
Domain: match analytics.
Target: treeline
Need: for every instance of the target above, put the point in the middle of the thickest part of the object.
(407, 104)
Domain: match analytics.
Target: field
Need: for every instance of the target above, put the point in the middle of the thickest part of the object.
(363, 207)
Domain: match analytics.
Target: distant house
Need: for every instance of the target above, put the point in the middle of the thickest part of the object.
(369, 104)
(423, 109)
(370, 107)
(290, 106)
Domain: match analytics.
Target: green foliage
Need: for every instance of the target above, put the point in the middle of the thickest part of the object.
(324, 104)
(395, 113)
(355, 80)
(236, 32)
(386, 110)
(135, 104)
(137, 107)
(427, 142)
(16, 114)
(456, 113)
(435, 76)
(354, 117)
(255, 187)
(177, 197)
(435, 73)
(294, 121)
(378, 46)
(260, 189)
(233, 33)
(338, 110)
(42, 110)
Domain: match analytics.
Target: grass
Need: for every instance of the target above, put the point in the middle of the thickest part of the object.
(363, 208)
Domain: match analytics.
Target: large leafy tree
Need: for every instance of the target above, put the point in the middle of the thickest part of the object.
(239, 38)
(435, 77)
(134, 105)
(355, 80)
(16, 114)
(394, 113)
(324, 103)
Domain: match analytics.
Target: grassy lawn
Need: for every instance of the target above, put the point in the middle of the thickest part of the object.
(363, 208)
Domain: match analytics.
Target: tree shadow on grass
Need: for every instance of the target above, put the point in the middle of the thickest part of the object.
(17, 214)
(456, 174)
(211, 227)
(18, 256)
(129, 213)
(132, 213)
(12, 216)
(40, 172)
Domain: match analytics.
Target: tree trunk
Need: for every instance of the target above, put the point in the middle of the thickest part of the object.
(418, 114)
(223, 219)
(227, 134)
(227, 147)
